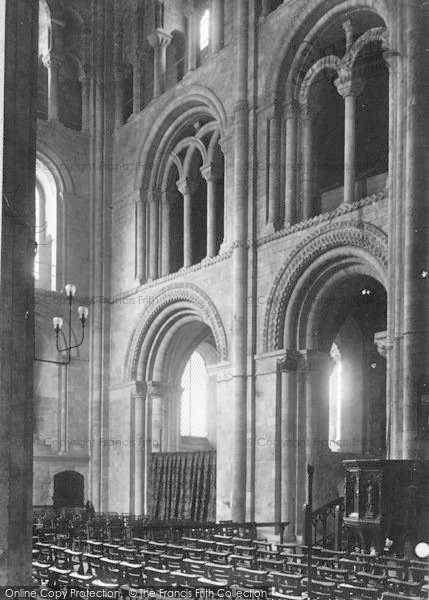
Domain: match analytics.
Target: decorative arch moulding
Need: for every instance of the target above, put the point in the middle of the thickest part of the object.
(185, 292)
(348, 234)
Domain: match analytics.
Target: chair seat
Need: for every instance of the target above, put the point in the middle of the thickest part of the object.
(105, 585)
(81, 578)
(59, 571)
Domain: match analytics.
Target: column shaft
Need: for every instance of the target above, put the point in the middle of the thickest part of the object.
(153, 239)
(291, 169)
(141, 241)
(191, 47)
(274, 171)
(217, 18)
(240, 267)
(307, 159)
(165, 250)
(349, 148)
(187, 230)
(52, 64)
(140, 458)
(211, 218)
(85, 83)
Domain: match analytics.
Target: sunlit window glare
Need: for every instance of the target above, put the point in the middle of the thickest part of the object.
(45, 260)
(194, 398)
(205, 29)
(335, 396)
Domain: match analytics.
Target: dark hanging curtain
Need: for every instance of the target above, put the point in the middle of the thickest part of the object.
(183, 486)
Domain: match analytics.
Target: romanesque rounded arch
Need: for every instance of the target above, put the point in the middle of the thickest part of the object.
(56, 167)
(192, 99)
(174, 302)
(345, 239)
(306, 25)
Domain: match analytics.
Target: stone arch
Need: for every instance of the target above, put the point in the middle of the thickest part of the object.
(338, 243)
(57, 168)
(286, 56)
(193, 101)
(175, 306)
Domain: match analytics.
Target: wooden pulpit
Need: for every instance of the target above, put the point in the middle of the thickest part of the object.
(386, 499)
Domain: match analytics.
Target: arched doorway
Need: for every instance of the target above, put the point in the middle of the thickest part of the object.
(68, 489)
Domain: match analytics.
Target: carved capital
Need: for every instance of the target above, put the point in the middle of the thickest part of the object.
(187, 186)
(139, 390)
(159, 38)
(53, 60)
(290, 361)
(314, 361)
(347, 85)
(383, 342)
(211, 173)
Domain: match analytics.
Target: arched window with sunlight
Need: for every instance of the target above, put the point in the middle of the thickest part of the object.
(205, 30)
(45, 261)
(193, 421)
(335, 398)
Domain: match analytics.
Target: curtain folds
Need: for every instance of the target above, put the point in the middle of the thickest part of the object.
(183, 486)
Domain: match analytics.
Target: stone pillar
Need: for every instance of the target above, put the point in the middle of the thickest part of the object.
(192, 37)
(211, 175)
(167, 198)
(317, 368)
(187, 187)
(217, 24)
(85, 80)
(140, 241)
(153, 236)
(226, 145)
(291, 165)
(349, 88)
(120, 73)
(138, 58)
(307, 162)
(159, 40)
(160, 396)
(240, 265)
(138, 397)
(53, 63)
(288, 370)
(18, 55)
(416, 232)
(274, 169)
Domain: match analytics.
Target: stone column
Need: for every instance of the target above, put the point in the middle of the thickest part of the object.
(191, 45)
(138, 58)
(18, 55)
(274, 169)
(159, 393)
(85, 80)
(307, 162)
(211, 175)
(53, 63)
(159, 40)
(240, 265)
(167, 198)
(226, 145)
(120, 73)
(141, 240)
(291, 165)
(153, 235)
(217, 25)
(187, 187)
(138, 397)
(288, 370)
(318, 366)
(349, 88)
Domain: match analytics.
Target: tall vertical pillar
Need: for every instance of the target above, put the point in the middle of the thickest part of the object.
(53, 63)
(138, 397)
(159, 40)
(211, 175)
(138, 80)
(186, 187)
(141, 240)
(154, 205)
(18, 55)
(85, 80)
(192, 36)
(291, 165)
(416, 233)
(119, 74)
(167, 198)
(318, 366)
(274, 168)
(240, 265)
(217, 24)
(226, 145)
(288, 370)
(349, 89)
(307, 162)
